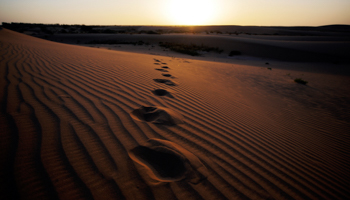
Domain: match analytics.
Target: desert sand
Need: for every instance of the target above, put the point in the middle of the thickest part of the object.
(86, 123)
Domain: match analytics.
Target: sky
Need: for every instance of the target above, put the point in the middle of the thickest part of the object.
(178, 12)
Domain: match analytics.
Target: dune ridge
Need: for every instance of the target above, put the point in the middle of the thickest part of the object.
(67, 133)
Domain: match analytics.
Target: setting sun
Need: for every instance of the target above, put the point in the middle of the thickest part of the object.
(191, 12)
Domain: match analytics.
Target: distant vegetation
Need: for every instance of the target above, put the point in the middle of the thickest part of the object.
(190, 49)
(74, 29)
(116, 42)
(301, 81)
(39, 29)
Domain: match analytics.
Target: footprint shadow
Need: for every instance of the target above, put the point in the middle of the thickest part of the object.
(165, 164)
(162, 70)
(168, 75)
(162, 92)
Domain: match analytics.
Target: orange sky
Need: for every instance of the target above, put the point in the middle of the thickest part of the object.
(178, 12)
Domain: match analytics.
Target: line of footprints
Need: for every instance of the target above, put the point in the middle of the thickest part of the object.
(158, 114)
(165, 69)
(164, 160)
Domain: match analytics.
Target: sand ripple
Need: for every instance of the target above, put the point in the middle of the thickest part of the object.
(81, 123)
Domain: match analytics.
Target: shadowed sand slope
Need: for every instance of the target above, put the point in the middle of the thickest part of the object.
(84, 123)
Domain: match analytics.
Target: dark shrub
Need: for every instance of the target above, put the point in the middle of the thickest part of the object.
(301, 81)
(234, 53)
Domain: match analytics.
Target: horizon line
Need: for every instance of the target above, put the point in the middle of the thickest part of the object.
(178, 25)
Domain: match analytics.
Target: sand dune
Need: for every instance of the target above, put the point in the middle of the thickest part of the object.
(69, 128)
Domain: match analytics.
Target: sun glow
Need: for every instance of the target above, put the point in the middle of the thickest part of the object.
(191, 12)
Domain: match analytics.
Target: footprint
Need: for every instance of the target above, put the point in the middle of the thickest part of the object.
(162, 92)
(167, 75)
(162, 70)
(156, 63)
(165, 164)
(164, 161)
(165, 67)
(164, 63)
(156, 60)
(166, 81)
(157, 115)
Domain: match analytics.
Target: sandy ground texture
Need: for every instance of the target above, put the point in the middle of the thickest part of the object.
(86, 123)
